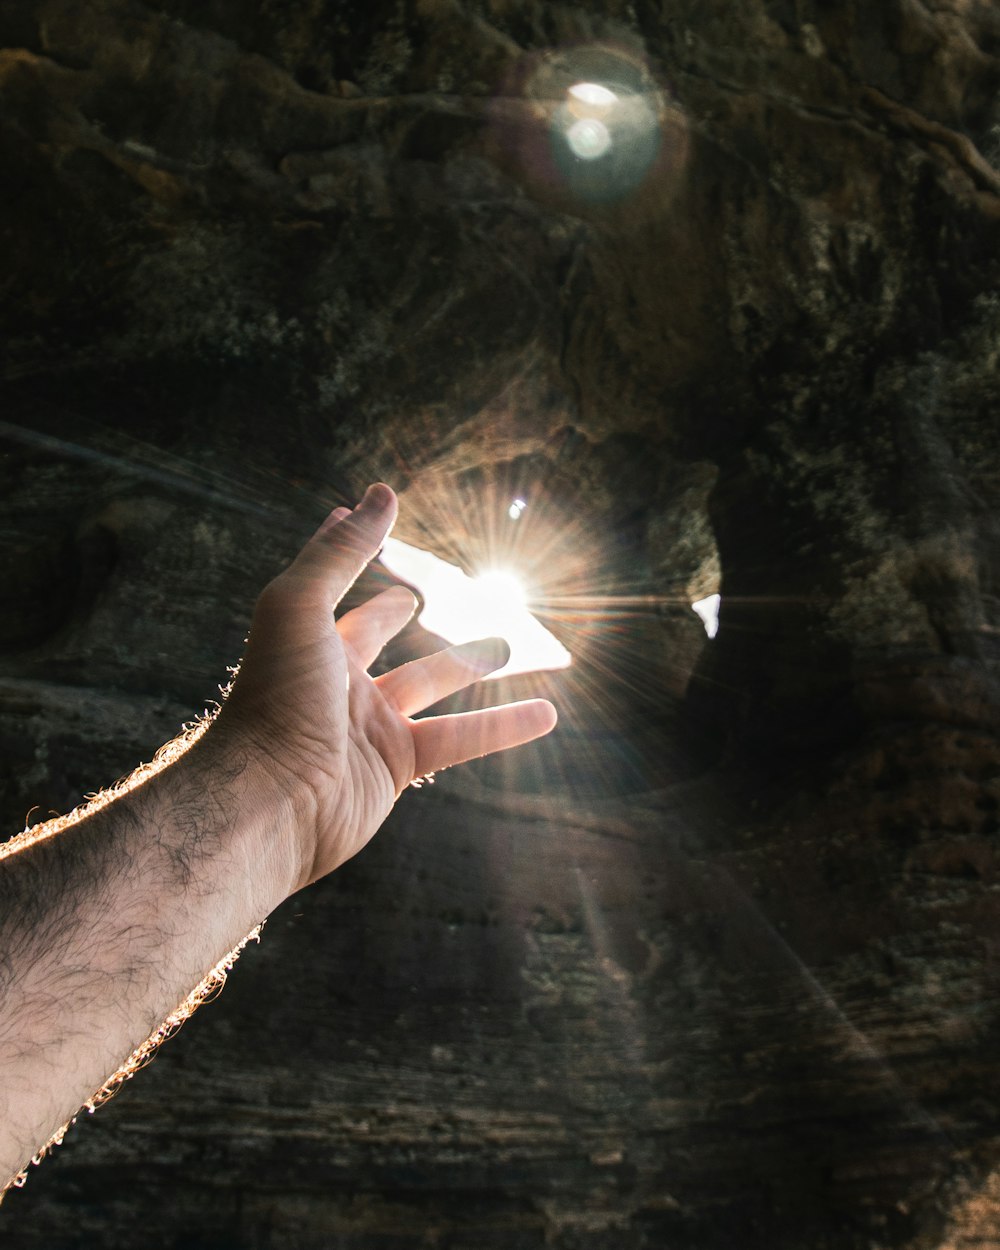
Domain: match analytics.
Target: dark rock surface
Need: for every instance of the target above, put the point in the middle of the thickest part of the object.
(716, 965)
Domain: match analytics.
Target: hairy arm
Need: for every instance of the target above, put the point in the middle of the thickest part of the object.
(108, 921)
(109, 917)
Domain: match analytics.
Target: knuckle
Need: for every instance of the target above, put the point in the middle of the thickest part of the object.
(275, 591)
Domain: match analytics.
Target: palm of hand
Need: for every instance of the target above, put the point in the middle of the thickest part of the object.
(342, 745)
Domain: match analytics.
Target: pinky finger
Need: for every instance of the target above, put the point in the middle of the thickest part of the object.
(440, 741)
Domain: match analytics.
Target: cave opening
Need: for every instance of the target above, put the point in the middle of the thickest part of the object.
(494, 602)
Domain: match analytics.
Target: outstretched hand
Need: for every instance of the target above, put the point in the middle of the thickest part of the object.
(342, 744)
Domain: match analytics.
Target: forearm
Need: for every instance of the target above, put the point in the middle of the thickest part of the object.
(109, 924)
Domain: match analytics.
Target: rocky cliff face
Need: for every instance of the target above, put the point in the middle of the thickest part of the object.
(716, 965)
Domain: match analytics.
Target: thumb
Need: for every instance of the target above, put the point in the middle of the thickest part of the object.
(340, 549)
(331, 561)
(296, 608)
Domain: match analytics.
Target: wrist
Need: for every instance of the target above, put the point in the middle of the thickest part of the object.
(260, 817)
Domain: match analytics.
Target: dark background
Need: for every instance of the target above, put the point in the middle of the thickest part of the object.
(716, 964)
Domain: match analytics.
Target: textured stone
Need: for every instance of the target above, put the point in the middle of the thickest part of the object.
(717, 964)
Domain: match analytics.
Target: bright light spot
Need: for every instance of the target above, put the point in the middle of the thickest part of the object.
(515, 509)
(594, 94)
(500, 590)
(461, 608)
(589, 138)
(708, 610)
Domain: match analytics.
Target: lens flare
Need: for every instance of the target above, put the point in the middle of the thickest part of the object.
(500, 590)
(606, 130)
(708, 610)
(589, 138)
(593, 94)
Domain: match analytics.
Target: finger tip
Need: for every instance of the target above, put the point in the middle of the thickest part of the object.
(548, 717)
(334, 518)
(485, 655)
(405, 595)
(379, 498)
(539, 716)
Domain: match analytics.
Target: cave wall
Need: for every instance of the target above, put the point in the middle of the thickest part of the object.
(718, 962)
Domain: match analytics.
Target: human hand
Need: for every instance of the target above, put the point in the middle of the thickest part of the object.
(341, 744)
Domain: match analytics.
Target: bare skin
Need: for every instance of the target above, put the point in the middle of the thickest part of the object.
(110, 918)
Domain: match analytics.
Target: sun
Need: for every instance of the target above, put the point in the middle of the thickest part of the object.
(500, 589)
(493, 604)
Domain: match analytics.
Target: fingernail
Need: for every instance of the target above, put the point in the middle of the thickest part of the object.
(486, 654)
(377, 496)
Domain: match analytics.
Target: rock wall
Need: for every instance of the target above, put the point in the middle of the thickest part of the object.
(716, 964)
